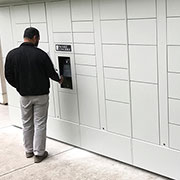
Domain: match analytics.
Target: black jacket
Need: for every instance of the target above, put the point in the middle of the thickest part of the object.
(28, 69)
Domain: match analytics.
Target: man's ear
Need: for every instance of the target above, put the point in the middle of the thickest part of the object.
(37, 37)
(34, 37)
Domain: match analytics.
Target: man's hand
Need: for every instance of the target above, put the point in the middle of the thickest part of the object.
(61, 80)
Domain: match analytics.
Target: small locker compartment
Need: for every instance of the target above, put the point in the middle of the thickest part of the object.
(65, 71)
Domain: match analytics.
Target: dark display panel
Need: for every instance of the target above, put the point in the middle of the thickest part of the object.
(65, 70)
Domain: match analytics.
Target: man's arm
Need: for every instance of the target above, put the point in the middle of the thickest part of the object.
(51, 71)
(9, 71)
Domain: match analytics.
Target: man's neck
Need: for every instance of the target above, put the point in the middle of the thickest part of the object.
(28, 40)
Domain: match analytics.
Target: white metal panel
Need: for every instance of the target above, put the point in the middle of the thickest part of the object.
(162, 71)
(61, 19)
(21, 14)
(81, 10)
(86, 70)
(117, 90)
(85, 59)
(174, 111)
(82, 26)
(173, 7)
(115, 56)
(3, 94)
(156, 158)
(145, 112)
(13, 96)
(115, 73)
(37, 13)
(83, 37)
(20, 31)
(15, 116)
(143, 63)
(174, 132)
(174, 85)
(69, 107)
(19, 43)
(118, 118)
(42, 27)
(114, 31)
(2, 90)
(44, 47)
(108, 144)
(99, 62)
(53, 57)
(63, 130)
(174, 58)
(84, 49)
(62, 37)
(7, 2)
(114, 9)
(2, 97)
(142, 31)
(5, 31)
(88, 101)
(51, 111)
(173, 29)
(141, 9)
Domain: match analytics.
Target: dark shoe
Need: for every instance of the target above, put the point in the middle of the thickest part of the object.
(29, 155)
(38, 159)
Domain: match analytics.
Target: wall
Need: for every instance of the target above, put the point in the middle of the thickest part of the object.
(124, 59)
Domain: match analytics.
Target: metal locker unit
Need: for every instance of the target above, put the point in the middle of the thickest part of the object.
(119, 97)
(3, 94)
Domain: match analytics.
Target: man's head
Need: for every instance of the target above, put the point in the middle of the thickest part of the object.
(31, 35)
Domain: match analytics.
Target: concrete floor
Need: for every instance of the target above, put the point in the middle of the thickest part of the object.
(65, 162)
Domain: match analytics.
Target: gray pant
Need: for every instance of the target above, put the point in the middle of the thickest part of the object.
(34, 110)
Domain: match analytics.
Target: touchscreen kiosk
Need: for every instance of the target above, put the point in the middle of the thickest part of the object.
(65, 70)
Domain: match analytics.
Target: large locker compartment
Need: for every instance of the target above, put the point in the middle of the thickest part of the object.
(120, 61)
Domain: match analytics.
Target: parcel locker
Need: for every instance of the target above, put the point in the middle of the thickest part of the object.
(119, 59)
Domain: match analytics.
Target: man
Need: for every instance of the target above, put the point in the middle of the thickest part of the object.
(28, 69)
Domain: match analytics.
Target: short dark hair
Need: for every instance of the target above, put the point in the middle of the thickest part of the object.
(31, 32)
